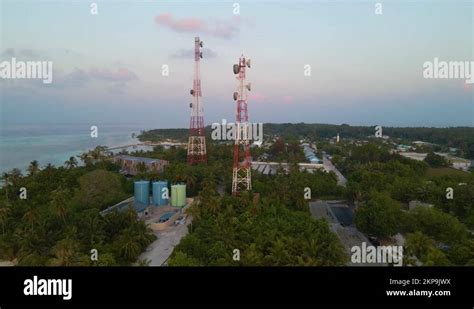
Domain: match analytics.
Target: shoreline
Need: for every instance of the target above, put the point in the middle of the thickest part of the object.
(57, 159)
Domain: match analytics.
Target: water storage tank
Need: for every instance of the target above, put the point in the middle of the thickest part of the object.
(142, 192)
(178, 195)
(160, 193)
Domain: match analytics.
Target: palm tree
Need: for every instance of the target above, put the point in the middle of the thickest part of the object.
(31, 216)
(15, 176)
(93, 229)
(71, 163)
(417, 244)
(143, 235)
(129, 248)
(58, 202)
(98, 153)
(85, 158)
(4, 211)
(213, 204)
(6, 183)
(194, 213)
(190, 181)
(49, 169)
(65, 253)
(33, 168)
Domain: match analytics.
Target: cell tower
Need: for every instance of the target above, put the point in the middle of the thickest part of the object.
(241, 178)
(197, 138)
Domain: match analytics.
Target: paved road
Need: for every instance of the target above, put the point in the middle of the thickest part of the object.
(328, 166)
(160, 250)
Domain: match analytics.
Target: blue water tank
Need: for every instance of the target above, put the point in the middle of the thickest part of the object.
(142, 192)
(160, 193)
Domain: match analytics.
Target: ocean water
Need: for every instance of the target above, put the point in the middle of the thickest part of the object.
(21, 144)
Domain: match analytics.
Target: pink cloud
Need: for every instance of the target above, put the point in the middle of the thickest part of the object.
(219, 28)
(180, 25)
(79, 77)
(257, 97)
(287, 99)
(467, 87)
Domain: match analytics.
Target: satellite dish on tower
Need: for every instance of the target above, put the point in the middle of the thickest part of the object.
(236, 69)
(200, 43)
(249, 86)
(190, 105)
(200, 54)
(248, 63)
(191, 91)
(235, 96)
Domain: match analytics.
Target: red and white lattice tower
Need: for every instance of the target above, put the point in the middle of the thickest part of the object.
(241, 178)
(197, 139)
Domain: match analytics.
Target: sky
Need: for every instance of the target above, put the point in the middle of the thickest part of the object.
(366, 68)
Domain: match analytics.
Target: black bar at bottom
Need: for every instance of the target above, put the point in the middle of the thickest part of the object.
(278, 285)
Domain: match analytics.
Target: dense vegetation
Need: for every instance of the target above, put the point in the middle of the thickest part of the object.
(379, 182)
(276, 229)
(457, 137)
(435, 160)
(59, 221)
(383, 184)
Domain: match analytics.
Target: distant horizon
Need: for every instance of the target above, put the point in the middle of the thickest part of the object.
(136, 124)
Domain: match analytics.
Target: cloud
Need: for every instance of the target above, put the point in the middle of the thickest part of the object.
(79, 77)
(287, 99)
(22, 53)
(189, 54)
(121, 75)
(76, 78)
(257, 97)
(180, 25)
(224, 29)
(117, 88)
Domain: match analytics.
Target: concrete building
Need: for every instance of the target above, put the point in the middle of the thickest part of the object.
(310, 155)
(340, 217)
(271, 168)
(131, 165)
(336, 212)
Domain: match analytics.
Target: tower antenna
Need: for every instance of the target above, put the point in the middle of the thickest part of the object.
(197, 139)
(241, 172)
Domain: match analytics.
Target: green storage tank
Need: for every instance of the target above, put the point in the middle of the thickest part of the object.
(178, 195)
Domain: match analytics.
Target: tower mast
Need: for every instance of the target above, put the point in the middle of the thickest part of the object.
(241, 172)
(197, 138)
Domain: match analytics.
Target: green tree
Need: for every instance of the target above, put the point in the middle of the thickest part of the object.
(379, 216)
(65, 253)
(6, 183)
(33, 168)
(99, 189)
(129, 248)
(182, 259)
(417, 244)
(70, 163)
(435, 160)
(4, 214)
(58, 203)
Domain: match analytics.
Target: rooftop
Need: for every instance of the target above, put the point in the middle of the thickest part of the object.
(138, 159)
